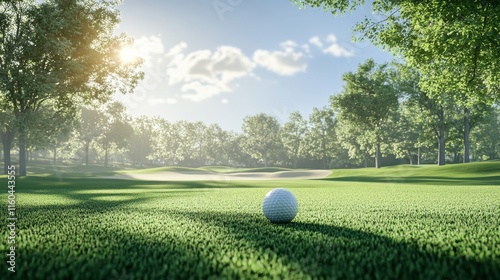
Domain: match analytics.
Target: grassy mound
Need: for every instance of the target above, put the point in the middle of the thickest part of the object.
(477, 173)
(165, 169)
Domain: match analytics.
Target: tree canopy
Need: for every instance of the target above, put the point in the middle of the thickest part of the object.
(60, 51)
(454, 44)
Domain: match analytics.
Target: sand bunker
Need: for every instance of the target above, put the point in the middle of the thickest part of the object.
(202, 176)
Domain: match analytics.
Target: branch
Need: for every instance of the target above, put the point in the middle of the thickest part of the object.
(384, 20)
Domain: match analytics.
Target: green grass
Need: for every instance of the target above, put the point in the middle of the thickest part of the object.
(478, 173)
(89, 228)
(206, 169)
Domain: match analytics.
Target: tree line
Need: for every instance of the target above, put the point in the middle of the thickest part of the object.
(381, 116)
(440, 105)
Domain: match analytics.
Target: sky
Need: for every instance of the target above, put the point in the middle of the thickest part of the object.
(218, 61)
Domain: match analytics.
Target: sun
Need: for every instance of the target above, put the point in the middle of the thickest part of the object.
(129, 54)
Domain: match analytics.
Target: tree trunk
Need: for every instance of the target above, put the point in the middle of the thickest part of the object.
(87, 144)
(366, 160)
(323, 147)
(418, 156)
(7, 139)
(441, 151)
(378, 155)
(22, 154)
(54, 159)
(106, 155)
(466, 135)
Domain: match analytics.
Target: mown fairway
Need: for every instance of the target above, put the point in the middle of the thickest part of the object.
(348, 226)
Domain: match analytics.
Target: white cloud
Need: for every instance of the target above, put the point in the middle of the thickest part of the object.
(316, 41)
(156, 101)
(177, 49)
(204, 73)
(170, 100)
(332, 48)
(306, 48)
(146, 47)
(331, 38)
(288, 46)
(224, 101)
(286, 62)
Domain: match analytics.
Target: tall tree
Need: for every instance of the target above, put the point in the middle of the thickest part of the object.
(90, 127)
(60, 51)
(366, 100)
(452, 43)
(320, 136)
(48, 127)
(355, 140)
(293, 135)
(262, 137)
(486, 137)
(141, 141)
(116, 128)
(7, 133)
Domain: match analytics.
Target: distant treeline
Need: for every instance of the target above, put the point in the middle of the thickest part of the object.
(109, 136)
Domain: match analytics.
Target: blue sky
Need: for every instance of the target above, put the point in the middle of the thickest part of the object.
(218, 61)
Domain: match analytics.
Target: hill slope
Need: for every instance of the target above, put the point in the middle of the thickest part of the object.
(477, 173)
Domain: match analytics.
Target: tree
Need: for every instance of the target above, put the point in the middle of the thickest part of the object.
(355, 140)
(366, 100)
(262, 137)
(116, 128)
(217, 141)
(320, 136)
(293, 135)
(90, 127)
(49, 127)
(60, 51)
(451, 43)
(486, 138)
(6, 133)
(405, 133)
(141, 141)
(430, 118)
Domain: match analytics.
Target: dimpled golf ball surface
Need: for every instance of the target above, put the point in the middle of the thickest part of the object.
(280, 206)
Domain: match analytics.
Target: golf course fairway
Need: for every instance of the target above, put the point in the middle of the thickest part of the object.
(401, 222)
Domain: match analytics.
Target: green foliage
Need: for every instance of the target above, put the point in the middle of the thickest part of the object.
(486, 137)
(320, 138)
(59, 53)
(89, 228)
(293, 134)
(367, 97)
(455, 44)
(366, 102)
(333, 6)
(262, 141)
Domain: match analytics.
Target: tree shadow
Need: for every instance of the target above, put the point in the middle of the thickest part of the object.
(204, 244)
(328, 251)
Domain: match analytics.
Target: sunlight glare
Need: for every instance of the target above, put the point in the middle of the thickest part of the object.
(129, 54)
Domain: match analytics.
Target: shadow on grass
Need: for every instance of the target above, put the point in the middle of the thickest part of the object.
(427, 180)
(232, 246)
(36, 184)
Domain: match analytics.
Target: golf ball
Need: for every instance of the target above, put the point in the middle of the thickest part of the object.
(280, 206)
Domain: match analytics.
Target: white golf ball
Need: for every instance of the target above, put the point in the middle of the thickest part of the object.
(280, 206)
